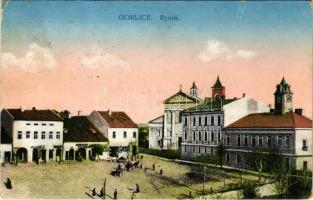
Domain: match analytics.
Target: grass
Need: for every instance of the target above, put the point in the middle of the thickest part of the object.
(75, 179)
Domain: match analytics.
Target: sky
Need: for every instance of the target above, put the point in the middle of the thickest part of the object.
(78, 55)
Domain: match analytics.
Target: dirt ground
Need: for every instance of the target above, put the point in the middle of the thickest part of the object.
(75, 180)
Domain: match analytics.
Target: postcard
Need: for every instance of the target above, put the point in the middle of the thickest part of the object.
(156, 100)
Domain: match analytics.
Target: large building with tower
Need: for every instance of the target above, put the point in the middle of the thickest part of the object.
(282, 128)
(203, 123)
(165, 132)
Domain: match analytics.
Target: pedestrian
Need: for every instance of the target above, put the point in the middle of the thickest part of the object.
(137, 188)
(161, 171)
(141, 157)
(153, 167)
(101, 192)
(94, 192)
(9, 183)
(133, 194)
(140, 165)
(115, 194)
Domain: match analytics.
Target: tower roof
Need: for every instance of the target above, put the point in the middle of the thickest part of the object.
(283, 87)
(217, 83)
(194, 86)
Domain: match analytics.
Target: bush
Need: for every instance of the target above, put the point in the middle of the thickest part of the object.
(250, 191)
(165, 153)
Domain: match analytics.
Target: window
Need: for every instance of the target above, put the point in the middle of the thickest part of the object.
(205, 120)
(305, 165)
(212, 136)
(304, 145)
(200, 122)
(219, 120)
(206, 136)
(194, 121)
(227, 140)
(114, 134)
(246, 140)
(185, 148)
(193, 135)
(19, 135)
(280, 138)
(238, 140)
(27, 124)
(260, 141)
(185, 121)
(51, 124)
(253, 140)
(227, 158)
(134, 134)
(238, 159)
(43, 135)
(212, 121)
(43, 124)
(35, 135)
(199, 135)
(125, 134)
(205, 150)
(199, 150)
(27, 134)
(35, 124)
(58, 135)
(219, 135)
(287, 142)
(212, 151)
(193, 149)
(269, 141)
(185, 135)
(50, 135)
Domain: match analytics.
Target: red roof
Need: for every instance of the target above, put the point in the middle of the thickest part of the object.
(118, 119)
(271, 120)
(34, 115)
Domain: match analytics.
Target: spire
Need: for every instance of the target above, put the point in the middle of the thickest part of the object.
(283, 81)
(194, 85)
(217, 83)
(180, 87)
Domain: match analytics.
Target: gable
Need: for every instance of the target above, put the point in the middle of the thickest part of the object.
(181, 98)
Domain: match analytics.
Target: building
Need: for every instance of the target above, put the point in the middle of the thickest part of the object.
(203, 124)
(284, 129)
(165, 132)
(5, 147)
(119, 129)
(37, 135)
(80, 136)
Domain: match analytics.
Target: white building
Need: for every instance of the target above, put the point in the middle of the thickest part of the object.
(203, 124)
(80, 135)
(119, 129)
(289, 132)
(165, 132)
(37, 135)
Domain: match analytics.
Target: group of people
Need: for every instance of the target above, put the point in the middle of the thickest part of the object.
(94, 193)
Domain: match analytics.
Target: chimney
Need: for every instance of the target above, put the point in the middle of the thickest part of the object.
(22, 108)
(78, 112)
(243, 95)
(34, 108)
(110, 112)
(299, 111)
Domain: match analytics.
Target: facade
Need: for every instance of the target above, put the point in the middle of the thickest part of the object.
(119, 129)
(283, 129)
(5, 147)
(80, 136)
(37, 135)
(203, 124)
(165, 132)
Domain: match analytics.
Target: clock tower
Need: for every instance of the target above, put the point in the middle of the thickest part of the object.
(283, 98)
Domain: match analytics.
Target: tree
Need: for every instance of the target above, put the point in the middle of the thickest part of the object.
(250, 191)
(143, 138)
(220, 153)
(258, 160)
(98, 149)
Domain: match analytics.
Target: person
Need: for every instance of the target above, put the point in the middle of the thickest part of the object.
(137, 188)
(101, 192)
(161, 171)
(140, 165)
(9, 183)
(133, 194)
(153, 167)
(94, 192)
(115, 194)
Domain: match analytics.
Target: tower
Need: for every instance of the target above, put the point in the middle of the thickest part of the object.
(283, 97)
(218, 90)
(194, 90)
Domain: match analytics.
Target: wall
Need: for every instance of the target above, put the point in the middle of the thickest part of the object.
(120, 140)
(3, 149)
